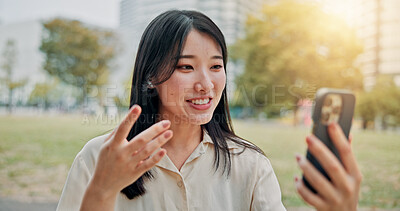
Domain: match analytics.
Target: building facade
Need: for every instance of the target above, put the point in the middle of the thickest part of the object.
(229, 15)
(378, 25)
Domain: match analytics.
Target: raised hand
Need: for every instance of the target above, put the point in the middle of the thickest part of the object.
(342, 192)
(120, 163)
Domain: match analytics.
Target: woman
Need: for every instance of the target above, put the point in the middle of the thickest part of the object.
(178, 102)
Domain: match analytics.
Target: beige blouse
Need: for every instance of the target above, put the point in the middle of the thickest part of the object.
(251, 185)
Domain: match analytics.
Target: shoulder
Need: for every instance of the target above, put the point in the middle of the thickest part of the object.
(254, 170)
(90, 151)
(93, 146)
(79, 175)
(243, 156)
(248, 157)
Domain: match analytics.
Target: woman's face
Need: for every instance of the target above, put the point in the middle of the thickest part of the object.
(194, 90)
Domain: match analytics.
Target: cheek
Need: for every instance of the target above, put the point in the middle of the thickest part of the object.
(172, 91)
(177, 88)
(221, 81)
(168, 94)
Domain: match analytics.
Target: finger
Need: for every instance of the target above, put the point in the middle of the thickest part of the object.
(350, 138)
(316, 179)
(147, 135)
(308, 196)
(126, 124)
(150, 148)
(146, 165)
(328, 161)
(339, 140)
(110, 136)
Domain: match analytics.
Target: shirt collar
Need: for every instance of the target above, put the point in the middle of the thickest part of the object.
(166, 163)
(207, 139)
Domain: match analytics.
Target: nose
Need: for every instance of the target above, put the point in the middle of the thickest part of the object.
(204, 83)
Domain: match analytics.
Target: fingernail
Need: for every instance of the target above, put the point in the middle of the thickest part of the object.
(134, 108)
(297, 182)
(165, 123)
(332, 126)
(167, 134)
(161, 153)
(309, 140)
(298, 157)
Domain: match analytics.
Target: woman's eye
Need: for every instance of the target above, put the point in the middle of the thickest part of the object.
(184, 67)
(216, 67)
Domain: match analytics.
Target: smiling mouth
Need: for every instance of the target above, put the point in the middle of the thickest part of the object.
(200, 101)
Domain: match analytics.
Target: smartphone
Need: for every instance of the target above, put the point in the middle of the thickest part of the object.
(331, 105)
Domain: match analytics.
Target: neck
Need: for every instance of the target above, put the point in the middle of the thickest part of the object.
(185, 135)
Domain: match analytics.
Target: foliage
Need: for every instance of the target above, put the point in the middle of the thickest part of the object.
(9, 59)
(367, 108)
(290, 50)
(122, 101)
(44, 94)
(382, 101)
(76, 54)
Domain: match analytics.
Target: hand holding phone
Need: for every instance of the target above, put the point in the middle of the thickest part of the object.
(330, 170)
(331, 106)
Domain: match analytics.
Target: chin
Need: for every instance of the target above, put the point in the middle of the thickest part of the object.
(201, 119)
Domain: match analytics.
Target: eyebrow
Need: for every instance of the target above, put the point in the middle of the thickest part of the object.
(192, 56)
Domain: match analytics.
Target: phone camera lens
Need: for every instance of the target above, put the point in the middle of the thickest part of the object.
(328, 101)
(336, 110)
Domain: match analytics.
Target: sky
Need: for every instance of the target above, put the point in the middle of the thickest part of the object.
(99, 12)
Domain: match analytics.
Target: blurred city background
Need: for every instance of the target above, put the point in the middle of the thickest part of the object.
(66, 66)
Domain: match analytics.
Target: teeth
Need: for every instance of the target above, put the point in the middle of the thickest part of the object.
(201, 102)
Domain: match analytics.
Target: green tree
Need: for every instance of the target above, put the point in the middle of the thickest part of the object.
(9, 59)
(387, 96)
(78, 55)
(289, 51)
(367, 108)
(122, 100)
(42, 94)
(383, 102)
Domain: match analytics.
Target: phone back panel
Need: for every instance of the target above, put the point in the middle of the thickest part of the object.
(345, 116)
(331, 105)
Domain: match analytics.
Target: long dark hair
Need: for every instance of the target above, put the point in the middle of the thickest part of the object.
(159, 49)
